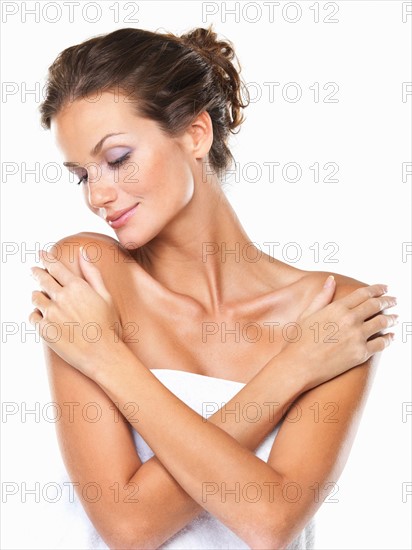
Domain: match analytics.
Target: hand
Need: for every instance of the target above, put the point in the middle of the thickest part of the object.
(76, 317)
(337, 337)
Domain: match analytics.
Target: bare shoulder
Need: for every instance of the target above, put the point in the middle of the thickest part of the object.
(305, 284)
(86, 237)
(122, 275)
(313, 281)
(104, 251)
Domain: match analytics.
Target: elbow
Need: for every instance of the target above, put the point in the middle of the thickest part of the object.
(267, 540)
(273, 534)
(125, 542)
(128, 537)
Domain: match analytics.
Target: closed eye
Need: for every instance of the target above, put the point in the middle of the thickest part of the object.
(119, 161)
(113, 165)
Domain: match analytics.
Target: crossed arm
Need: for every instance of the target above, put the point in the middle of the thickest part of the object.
(160, 507)
(171, 484)
(170, 494)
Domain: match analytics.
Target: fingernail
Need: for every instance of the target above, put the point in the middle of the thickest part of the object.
(329, 281)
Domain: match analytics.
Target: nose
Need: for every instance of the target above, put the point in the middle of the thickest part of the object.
(101, 192)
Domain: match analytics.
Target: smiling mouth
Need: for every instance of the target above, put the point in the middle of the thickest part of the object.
(123, 218)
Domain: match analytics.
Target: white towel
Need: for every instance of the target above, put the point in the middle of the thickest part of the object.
(204, 394)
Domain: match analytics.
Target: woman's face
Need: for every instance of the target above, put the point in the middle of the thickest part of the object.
(140, 171)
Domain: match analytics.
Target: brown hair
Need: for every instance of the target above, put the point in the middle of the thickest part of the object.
(172, 79)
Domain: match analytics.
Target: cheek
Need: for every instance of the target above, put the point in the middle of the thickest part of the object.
(166, 172)
(130, 178)
(174, 185)
(161, 174)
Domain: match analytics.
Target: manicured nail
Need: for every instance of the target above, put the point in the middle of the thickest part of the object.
(329, 281)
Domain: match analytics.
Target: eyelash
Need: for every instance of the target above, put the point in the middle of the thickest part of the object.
(112, 166)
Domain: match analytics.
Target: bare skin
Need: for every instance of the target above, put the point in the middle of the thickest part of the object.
(174, 296)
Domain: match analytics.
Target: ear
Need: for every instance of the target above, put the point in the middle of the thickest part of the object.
(200, 135)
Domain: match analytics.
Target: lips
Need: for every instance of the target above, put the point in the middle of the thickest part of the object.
(119, 218)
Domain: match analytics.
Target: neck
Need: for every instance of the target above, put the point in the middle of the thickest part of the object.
(205, 253)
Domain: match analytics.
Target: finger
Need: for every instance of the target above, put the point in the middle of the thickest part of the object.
(35, 316)
(380, 322)
(40, 300)
(47, 283)
(322, 298)
(92, 274)
(373, 306)
(362, 294)
(56, 268)
(379, 343)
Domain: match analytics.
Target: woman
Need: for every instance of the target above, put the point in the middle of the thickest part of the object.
(192, 355)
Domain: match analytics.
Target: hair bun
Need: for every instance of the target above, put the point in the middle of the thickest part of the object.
(206, 40)
(220, 54)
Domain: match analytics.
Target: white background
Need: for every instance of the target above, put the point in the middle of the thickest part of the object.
(366, 132)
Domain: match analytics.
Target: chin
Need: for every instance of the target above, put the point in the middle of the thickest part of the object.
(131, 237)
(129, 243)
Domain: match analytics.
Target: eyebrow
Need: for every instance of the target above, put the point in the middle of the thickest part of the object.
(96, 149)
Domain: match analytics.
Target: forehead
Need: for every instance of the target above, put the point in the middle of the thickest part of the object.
(80, 124)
